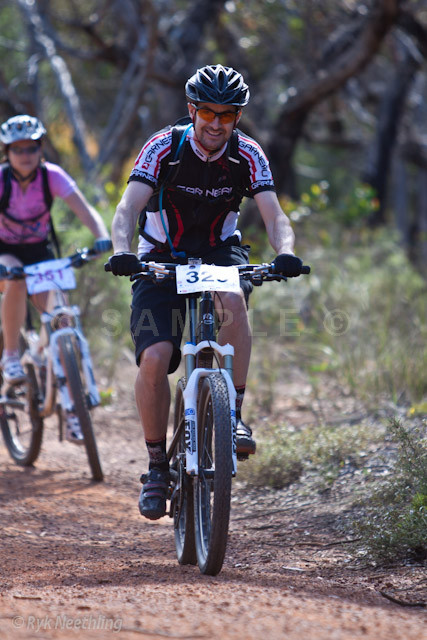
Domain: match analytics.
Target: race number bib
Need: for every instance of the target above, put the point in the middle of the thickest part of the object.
(206, 277)
(51, 274)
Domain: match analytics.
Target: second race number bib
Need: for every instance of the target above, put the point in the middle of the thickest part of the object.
(51, 274)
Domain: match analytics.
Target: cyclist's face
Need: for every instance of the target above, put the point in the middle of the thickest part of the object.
(24, 156)
(212, 135)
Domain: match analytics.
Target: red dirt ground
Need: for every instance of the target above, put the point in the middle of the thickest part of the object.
(77, 560)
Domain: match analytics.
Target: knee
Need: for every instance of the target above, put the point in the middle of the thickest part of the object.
(155, 359)
(16, 288)
(233, 308)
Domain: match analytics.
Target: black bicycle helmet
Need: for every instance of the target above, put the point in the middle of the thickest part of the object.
(219, 85)
(21, 128)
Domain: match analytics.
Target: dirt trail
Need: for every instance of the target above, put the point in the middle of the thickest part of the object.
(77, 560)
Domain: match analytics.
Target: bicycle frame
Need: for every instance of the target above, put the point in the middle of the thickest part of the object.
(54, 368)
(194, 375)
(57, 359)
(201, 472)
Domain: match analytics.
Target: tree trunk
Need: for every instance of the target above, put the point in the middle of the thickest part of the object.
(400, 200)
(376, 173)
(350, 57)
(421, 230)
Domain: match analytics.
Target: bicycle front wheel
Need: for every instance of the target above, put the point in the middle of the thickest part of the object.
(70, 361)
(182, 509)
(20, 421)
(212, 487)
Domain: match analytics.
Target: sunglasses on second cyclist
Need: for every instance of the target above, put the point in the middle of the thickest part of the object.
(19, 151)
(209, 115)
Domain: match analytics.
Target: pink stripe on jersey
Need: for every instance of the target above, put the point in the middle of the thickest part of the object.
(160, 158)
(149, 142)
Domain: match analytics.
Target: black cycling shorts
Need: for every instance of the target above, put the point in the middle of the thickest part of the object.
(158, 311)
(29, 253)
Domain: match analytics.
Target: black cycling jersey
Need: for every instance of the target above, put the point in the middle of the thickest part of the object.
(201, 205)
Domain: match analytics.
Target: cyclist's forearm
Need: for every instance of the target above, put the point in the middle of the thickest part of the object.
(281, 235)
(123, 229)
(133, 201)
(277, 224)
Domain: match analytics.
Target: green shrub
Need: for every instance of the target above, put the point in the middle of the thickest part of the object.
(284, 454)
(394, 526)
(367, 304)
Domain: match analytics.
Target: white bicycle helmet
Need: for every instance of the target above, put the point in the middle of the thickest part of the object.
(21, 128)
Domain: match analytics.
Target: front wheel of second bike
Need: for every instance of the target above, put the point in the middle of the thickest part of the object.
(20, 420)
(70, 361)
(212, 487)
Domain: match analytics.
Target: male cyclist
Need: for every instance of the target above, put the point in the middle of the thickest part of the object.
(27, 188)
(198, 217)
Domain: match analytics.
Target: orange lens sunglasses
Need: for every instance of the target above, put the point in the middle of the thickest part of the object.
(209, 115)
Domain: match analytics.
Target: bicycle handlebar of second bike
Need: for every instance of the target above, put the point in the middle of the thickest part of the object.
(76, 260)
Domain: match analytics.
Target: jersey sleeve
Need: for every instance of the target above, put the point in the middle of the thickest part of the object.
(260, 177)
(61, 185)
(149, 161)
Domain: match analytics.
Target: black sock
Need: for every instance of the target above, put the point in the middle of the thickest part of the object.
(157, 454)
(239, 401)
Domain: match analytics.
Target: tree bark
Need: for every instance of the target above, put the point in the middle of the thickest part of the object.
(328, 79)
(377, 171)
(63, 76)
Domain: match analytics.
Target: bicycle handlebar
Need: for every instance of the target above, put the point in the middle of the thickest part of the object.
(77, 260)
(256, 273)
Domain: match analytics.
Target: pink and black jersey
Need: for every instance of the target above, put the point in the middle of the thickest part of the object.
(27, 219)
(201, 204)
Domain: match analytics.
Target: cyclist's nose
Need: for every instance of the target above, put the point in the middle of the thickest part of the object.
(216, 123)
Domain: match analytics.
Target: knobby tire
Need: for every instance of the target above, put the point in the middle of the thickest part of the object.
(182, 503)
(69, 358)
(22, 428)
(212, 487)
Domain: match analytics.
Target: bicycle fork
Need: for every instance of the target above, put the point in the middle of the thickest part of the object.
(58, 370)
(194, 376)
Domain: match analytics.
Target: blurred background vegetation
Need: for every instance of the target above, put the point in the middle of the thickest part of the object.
(338, 102)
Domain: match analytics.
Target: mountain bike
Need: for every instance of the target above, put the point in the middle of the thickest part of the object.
(202, 453)
(57, 363)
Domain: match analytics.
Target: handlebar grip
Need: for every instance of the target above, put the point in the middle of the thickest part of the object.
(107, 266)
(305, 269)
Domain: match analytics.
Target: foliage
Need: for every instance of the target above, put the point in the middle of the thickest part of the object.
(284, 454)
(360, 313)
(367, 304)
(394, 523)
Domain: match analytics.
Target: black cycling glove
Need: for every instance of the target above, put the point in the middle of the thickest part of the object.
(287, 265)
(124, 264)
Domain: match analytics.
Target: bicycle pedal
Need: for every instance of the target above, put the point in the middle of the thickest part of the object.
(242, 456)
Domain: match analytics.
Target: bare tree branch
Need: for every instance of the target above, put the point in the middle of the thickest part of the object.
(353, 60)
(65, 82)
(8, 96)
(408, 23)
(127, 99)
